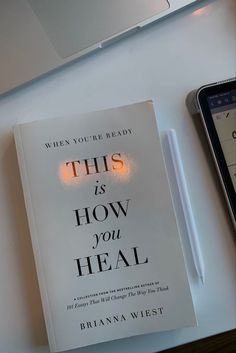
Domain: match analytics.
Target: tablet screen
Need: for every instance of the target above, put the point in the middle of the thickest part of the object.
(223, 110)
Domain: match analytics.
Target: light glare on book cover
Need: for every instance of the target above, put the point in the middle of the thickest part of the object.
(72, 173)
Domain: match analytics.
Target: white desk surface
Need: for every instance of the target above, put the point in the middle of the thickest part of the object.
(163, 62)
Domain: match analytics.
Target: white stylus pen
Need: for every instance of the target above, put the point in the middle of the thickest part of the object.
(185, 202)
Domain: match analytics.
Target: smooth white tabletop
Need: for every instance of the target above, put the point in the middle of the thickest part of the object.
(163, 62)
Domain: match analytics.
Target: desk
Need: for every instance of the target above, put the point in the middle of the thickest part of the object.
(222, 343)
(163, 62)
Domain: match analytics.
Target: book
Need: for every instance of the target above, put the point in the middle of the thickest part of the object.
(105, 239)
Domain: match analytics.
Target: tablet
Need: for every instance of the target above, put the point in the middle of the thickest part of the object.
(217, 106)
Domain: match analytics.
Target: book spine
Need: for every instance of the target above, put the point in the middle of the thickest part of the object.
(26, 184)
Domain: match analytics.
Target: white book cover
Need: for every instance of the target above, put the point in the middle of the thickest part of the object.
(106, 244)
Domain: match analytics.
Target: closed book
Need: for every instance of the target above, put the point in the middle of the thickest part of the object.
(104, 234)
